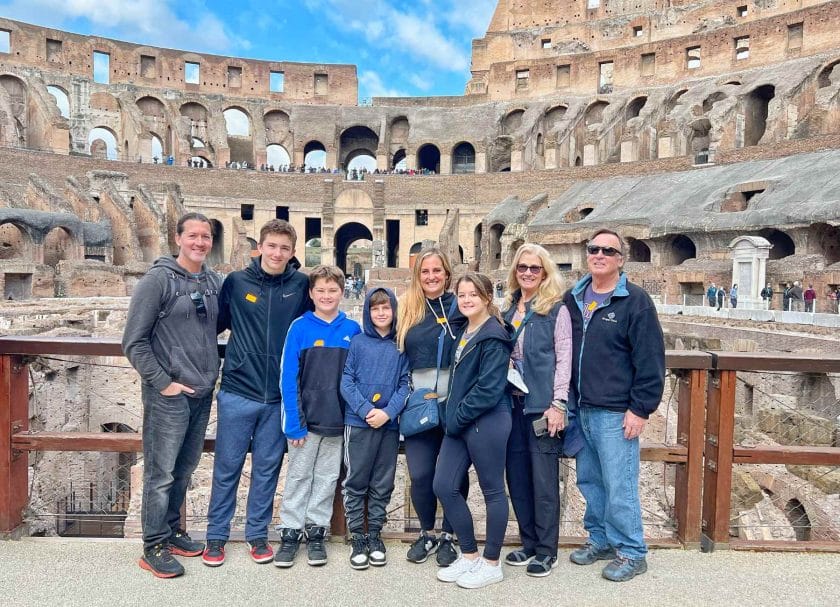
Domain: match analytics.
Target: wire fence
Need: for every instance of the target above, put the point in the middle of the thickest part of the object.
(777, 501)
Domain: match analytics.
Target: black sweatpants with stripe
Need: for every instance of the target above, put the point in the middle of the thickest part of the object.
(370, 460)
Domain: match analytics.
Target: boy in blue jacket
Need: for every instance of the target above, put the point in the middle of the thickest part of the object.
(313, 416)
(375, 386)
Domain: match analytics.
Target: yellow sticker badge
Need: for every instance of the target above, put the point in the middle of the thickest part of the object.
(319, 343)
(251, 297)
(441, 321)
(517, 323)
(376, 397)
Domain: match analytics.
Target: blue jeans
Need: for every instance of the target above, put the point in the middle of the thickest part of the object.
(608, 478)
(173, 438)
(244, 423)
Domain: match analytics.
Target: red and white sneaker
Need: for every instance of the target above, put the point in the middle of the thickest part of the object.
(261, 551)
(214, 554)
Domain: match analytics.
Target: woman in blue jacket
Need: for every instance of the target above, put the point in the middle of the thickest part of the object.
(542, 355)
(476, 425)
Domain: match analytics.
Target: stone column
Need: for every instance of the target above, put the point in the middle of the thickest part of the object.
(749, 268)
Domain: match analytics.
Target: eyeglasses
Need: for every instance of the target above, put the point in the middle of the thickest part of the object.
(198, 301)
(594, 249)
(524, 268)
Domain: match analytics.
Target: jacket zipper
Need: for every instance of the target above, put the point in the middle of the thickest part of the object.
(268, 341)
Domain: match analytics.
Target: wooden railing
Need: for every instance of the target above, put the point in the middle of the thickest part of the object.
(705, 408)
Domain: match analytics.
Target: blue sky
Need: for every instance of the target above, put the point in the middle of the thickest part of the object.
(415, 48)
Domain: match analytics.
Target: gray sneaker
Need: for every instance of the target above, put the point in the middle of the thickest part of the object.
(590, 554)
(622, 569)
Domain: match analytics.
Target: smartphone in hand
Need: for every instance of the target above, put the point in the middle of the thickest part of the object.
(540, 426)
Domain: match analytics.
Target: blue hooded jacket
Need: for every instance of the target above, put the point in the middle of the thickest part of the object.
(376, 374)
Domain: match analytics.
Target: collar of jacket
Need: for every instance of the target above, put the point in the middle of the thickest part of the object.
(580, 288)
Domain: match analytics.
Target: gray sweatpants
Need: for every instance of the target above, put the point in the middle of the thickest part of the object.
(370, 461)
(311, 474)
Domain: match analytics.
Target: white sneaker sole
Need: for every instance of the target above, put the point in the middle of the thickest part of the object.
(470, 585)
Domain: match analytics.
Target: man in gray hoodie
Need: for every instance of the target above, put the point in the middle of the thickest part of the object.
(170, 339)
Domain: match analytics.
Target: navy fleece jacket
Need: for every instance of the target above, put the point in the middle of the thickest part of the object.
(376, 373)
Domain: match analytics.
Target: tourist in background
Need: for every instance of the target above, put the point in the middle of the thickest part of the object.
(428, 312)
(618, 376)
(767, 296)
(170, 339)
(733, 296)
(542, 357)
(711, 295)
(810, 295)
(796, 296)
(477, 423)
(721, 297)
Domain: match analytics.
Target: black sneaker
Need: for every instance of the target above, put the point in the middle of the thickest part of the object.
(446, 554)
(541, 565)
(159, 560)
(422, 547)
(622, 569)
(183, 545)
(589, 554)
(316, 552)
(359, 551)
(260, 550)
(214, 554)
(376, 549)
(290, 542)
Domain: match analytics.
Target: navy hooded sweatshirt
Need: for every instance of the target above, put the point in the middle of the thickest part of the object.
(376, 374)
(258, 308)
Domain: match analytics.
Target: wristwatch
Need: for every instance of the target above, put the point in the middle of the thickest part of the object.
(558, 404)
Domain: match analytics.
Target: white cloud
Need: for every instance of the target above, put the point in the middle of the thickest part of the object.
(420, 82)
(417, 35)
(474, 15)
(151, 22)
(372, 86)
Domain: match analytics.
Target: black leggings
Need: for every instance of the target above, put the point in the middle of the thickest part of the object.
(484, 445)
(421, 455)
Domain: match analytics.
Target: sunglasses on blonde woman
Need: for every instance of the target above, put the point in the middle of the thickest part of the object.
(524, 268)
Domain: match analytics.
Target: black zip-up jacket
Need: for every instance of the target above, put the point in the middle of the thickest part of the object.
(478, 380)
(618, 357)
(421, 340)
(258, 308)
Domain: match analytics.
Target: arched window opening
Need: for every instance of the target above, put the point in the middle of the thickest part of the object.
(463, 158)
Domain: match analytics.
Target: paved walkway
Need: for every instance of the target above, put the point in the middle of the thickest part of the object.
(66, 572)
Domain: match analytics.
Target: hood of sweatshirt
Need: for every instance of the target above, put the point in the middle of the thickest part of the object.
(369, 328)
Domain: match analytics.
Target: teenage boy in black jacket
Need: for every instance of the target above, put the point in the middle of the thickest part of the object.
(257, 304)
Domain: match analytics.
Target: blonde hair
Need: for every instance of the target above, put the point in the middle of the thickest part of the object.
(412, 305)
(550, 290)
(484, 287)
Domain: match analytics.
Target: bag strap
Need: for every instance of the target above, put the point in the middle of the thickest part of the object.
(441, 339)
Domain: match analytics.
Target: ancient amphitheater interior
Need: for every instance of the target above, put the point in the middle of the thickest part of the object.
(685, 124)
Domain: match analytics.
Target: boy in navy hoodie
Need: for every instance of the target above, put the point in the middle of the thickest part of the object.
(375, 386)
(313, 416)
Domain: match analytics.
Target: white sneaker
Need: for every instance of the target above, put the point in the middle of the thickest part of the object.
(481, 575)
(461, 566)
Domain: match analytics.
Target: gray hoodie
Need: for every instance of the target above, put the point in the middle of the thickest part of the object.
(165, 338)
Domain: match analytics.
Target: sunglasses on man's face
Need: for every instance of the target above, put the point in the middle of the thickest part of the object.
(198, 301)
(594, 249)
(523, 268)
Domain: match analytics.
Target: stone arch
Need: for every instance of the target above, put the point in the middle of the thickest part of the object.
(151, 107)
(783, 245)
(463, 158)
(679, 248)
(62, 99)
(15, 241)
(553, 117)
(539, 147)
(315, 155)
(512, 121)
(356, 141)
(398, 162)
(346, 235)
(157, 146)
(277, 125)
(200, 161)
(428, 157)
(59, 245)
(635, 107)
(826, 239)
(637, 250)
(398, 132)
(710, 101)
(594, 114)
(755, 113)
(217, 253)
(500, 154)
(495, 246)
(827, 76)
(195, 111)
(277, 156)
(107, 148)
(13, 132)
(798, 519)
(675, 99)
(239, 134)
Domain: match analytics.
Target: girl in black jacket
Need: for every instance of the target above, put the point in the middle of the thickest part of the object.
(477, 423)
